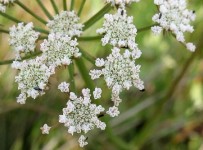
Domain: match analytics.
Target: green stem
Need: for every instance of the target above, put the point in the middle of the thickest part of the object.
(97, 16)
(44, 9)
(85, 73)
(4, 31)
(81, 7)
(119, 143)
(90, 38)
(87, 56)
(64, 5)
(54, 6)
(71, 74)
(18, 21)
(30, 12)
(72, 4)
(146, 28)
(6, 62)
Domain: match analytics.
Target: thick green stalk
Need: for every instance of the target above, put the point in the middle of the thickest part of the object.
(85, 73)
(54, 6)
(64, 5)
(72, 4)
(81, 7)
(97, 16)
(87, 56)
(4, 31)
(44, 9)
(30, 12)
(71, 74)
(23, 58)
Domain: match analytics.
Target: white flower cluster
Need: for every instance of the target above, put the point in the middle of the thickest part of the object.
(175, 17)
(81, 115)
(4, 3)
(119, 30)
(23, 38)
(32, 79)
(121, 2)
(59, 49)
(66, 23)
(119, 71)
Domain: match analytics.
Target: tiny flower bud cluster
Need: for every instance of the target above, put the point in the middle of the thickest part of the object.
(66, 23)
(23, 38)
(81, 115)
(64, 87)
(175, 17)
(119, 71)
(59, 49)
(32, 78)
(4, 3)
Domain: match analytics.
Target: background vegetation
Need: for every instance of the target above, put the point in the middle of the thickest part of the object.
(167, 116)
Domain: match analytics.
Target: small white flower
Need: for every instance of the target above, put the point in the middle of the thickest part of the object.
(191, 47)
(175, 17)
(97, 93)
(59, 49)
(64, 87)
(21, 98)
(45, 129)
(23, 38)
(113, 111)
(120, 72)
(67, 22)
(4, 4)
(82, 141)
(2, 8)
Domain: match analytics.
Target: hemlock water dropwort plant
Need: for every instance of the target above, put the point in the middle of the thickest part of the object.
(39, 52)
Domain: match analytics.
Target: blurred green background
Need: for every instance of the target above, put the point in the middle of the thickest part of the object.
(167, 116)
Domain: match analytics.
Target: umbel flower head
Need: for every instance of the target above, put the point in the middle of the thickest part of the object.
(118, 30)
(32, 78)
(119, 71)
(23, 38)
(67, 22)
(121, 2)
(80, 115)
(59, 49)
(175, 17)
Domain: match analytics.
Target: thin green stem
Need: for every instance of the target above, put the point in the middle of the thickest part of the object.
(85, 73)
(87, 56)
(4, 31)
(6, 62)
(71, 74)
(30, 12)
(81, 7)
(97, 16)
(72, 4)
(90, 38)
(145, 28)
(64, 5)
(54, 6)
(44, 9)
(18, 21)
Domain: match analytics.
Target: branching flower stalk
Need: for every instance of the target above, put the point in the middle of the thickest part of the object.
(59, 47)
